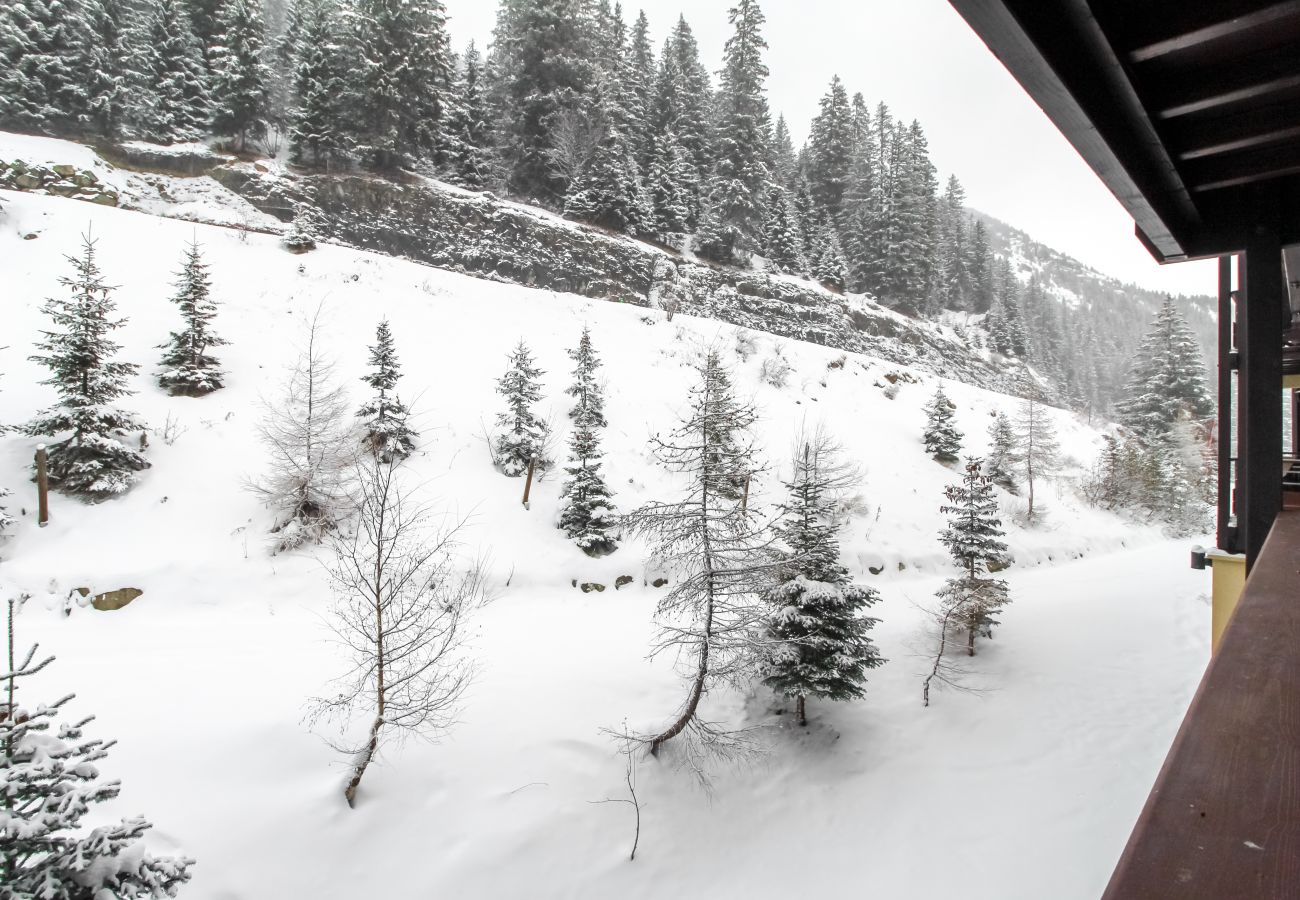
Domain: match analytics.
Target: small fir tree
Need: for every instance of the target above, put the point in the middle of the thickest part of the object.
(524, 434)
(816, 626)
(973, 537)
(586, 513)
(782, 241)
(828, 265)
(942, 439)
(387, 434)
(50, 781)
(92, 460)
(188, 368)
(1003, 452)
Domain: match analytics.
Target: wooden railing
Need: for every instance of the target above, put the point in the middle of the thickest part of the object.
(1223, 820)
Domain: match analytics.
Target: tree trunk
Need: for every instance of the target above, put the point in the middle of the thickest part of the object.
(970, 641)
(363, 760)
(692, 703)
(801, 710)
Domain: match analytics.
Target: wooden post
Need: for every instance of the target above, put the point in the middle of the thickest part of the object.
(528, 485)
(42, 487)
(744, 499)
(1224, 536)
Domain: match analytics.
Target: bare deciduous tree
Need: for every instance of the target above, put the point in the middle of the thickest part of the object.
(402, 599)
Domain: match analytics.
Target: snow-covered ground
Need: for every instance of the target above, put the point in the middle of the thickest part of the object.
(1026, 789)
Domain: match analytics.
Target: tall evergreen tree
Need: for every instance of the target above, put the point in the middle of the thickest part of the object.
(640, 77)
(785, 162)
(241, 77)
(586, 513)
(1166, 378)
(973, 537)
(680, 107)
(107, 73)
(91, 460)
(171, 101)
(1004, 450)
(816, 626)
(672, 189)
(942, 439)
(523, 438)
(188, 368)
(402, 78)
(42, 65)
(979, 266)
(830, 150)
(319, 122)
(204, 18)
(739, 180)
(384, 417)
(608, 190)
(468, 134)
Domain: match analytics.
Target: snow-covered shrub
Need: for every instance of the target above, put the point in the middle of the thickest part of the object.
(775, 371)
(746, 343)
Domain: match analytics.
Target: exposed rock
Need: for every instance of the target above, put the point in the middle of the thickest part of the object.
(27, 182)
(63, 188)
(85, 179)
(113, 600)
(188, 162)
(659, 582)
(104, 198)
(589, 586)
(63, 170)
(622, 580)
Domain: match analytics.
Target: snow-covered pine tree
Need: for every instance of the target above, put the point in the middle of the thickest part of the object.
(973, 537)
(1166, 379)
(401, 79)
(42, 66)
(467, 137)
(308, 447)
(383, 417)
(241, 77)
(608, 189)
(586, 513)
(820, 646)
(1177, 496)
(739, 181)
(50, 782)
(107, 75)
(830, 150)
(671, 188)
(782, 241)
(717, 554)
(941, 437)
(681, 108)
(1039, 448)
(828, 265)
(640, 77)
(785, 163)
(170, 102)
(188, 368)
(1003, 453)
(91, 460)
(523, 434)
(319, 121)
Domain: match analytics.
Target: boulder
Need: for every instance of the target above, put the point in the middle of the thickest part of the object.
(63, 188)
(114, 600)
(589, 586)
(85, 179)
(659, 582)
(64, 171)
(27, 181)
(104, 198)
(622, 580)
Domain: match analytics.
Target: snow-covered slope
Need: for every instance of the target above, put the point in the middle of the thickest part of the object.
(1025, 790)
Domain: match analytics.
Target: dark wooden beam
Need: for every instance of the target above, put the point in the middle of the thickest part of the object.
(1224, 532)
(1260, 319)
(1217, 93)
(1240, 133)
(1262, 18)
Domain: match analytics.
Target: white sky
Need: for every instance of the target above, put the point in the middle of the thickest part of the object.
(922, 59)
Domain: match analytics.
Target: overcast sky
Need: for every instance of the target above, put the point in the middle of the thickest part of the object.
(922, 59)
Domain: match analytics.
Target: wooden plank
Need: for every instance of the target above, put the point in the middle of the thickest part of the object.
(1223, 531)
(1223, 819)
(1262, 18)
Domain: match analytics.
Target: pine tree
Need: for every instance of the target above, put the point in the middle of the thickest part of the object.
(979, 266)
(785, 163)
(586, 513)
(1039, 449)
(782, 242)
(42, 66)
(739, 181)
(680, 112)
(828, 264)
(830, 150)
(241, 79)
(319, 121)
(107, 75)
(91, 461)
(1166, 378)
(608, 190)
(1003, 452)
(815, 624)
(171, 101)
(672, 189)
(973, 537)
(942, 439)
(386, 432)
(523, 439)
(401, 78)
(716, 552)
(188, 369)
(467, 136)
(640, 76)
(50, 782)
(204, 19)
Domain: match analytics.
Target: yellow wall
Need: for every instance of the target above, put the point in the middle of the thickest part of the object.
(1291, 381)
(1229, 578)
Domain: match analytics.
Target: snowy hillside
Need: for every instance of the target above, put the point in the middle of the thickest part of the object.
(1023, 790)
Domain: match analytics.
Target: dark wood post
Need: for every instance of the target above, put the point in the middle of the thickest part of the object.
(1224, 537)
(528, 485)
(1259, 416)
(42, 487)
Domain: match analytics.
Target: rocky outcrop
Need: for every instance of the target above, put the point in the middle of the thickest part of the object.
(61, 180)
(484, 236)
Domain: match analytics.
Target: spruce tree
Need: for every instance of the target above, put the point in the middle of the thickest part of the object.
(828, 264)
(50, 782)
(782, 242)
(188, 368)
(241, 78)
(942, 439)
(671, 187)
(1166, 378)
(973, 537)
(383, 417)
(739, 180)
(401, 77)
(171, 101)
(467, 136)
(42, 66)
(815, 624)
(107, 72)
(785, 163)
(1003, 452)
(680, 112)
(640, 77)
(319, 122)
(830, 150)
(586, 513)
(608, 190)
(91, 461)
(523, 438)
